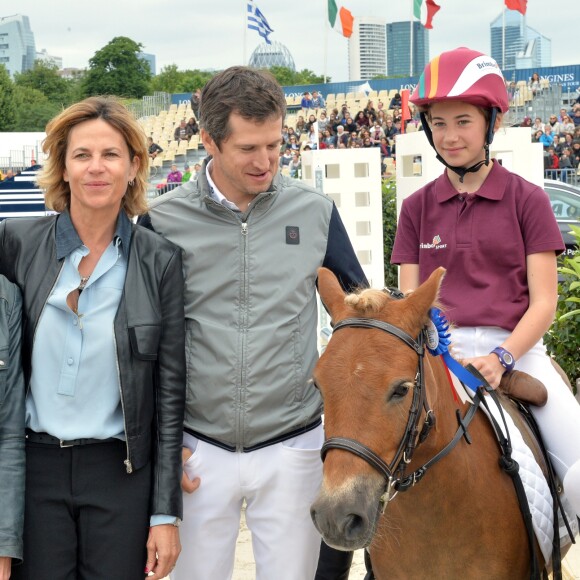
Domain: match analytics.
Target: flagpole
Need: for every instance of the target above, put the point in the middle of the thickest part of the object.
(411, 36)
(503, 38)
(326, 24)
(245, 7)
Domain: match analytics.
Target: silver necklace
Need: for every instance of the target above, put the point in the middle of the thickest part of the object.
(83, 282)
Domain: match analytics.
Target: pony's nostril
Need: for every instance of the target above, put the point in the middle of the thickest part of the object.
(354, 526)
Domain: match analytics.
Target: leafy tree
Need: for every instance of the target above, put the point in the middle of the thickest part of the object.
(389, 190)
(117, 70)
(172, 80)
(7, 108)
(33, 109)
(44, 77)
(286, 76)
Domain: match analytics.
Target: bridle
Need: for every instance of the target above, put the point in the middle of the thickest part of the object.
(394, 472)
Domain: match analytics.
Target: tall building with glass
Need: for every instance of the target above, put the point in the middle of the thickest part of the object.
(17, 47)
(367, 49)
(399, 53)
(515, 45)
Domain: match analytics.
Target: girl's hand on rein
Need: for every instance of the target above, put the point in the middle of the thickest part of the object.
(489, 366)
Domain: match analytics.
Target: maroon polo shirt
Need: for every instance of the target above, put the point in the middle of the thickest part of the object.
(482, 240)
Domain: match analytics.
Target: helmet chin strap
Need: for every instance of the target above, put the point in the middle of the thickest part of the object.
(463, 171)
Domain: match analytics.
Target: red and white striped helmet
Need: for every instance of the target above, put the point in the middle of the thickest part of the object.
(462, 75)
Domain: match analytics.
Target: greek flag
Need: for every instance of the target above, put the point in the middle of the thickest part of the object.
(257, 21)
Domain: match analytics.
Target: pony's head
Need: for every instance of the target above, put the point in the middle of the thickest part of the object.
(366, 377)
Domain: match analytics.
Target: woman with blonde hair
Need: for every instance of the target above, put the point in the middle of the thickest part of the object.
(102, 350)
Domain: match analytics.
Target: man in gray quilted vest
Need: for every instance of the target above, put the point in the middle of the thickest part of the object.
(253, 241)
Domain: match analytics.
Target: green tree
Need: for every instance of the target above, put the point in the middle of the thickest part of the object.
(389, 190)
(7, 108)
(33, 109)
(117, 70)
(286, 76)
(44, 77)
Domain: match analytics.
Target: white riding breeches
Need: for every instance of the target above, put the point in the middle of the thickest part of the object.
(558, 420)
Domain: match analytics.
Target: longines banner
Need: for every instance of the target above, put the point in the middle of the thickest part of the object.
(568, 77)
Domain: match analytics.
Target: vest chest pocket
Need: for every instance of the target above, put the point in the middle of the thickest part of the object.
(145, 341)
(4, 365)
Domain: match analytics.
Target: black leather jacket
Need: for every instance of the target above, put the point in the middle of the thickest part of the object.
(11, 423)
(149, 337)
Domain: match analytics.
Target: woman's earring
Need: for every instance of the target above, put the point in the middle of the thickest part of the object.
(131, 182)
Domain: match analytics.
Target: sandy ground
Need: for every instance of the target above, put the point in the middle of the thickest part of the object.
(245, 570)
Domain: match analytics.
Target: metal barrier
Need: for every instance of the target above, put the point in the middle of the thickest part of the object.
(150, 105)
(569, 176)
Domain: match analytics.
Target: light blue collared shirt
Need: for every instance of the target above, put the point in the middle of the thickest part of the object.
(74, 388)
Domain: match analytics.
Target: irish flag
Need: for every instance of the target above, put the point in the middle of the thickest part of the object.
(340, 18)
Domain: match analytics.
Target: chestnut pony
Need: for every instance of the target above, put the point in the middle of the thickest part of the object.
(462, 520)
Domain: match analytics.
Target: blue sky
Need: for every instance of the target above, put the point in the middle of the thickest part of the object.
(202, 34)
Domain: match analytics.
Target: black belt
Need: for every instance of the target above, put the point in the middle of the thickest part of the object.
(46, 439)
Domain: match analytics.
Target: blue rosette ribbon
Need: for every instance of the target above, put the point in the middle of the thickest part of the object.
(438, 340)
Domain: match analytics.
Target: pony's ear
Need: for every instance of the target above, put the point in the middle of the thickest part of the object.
(331, 293)
(425, 296)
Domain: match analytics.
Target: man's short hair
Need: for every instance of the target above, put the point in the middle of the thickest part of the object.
(253, 94)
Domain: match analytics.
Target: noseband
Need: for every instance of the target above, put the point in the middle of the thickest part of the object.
(393, 471)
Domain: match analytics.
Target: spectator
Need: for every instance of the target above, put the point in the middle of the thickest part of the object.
(182, 132)
(385, 148)
(317, 102)
(554, 163)
(300, 126)
(322, 121)
(328, 138)
(527, 122)
(313, 137)
(285, 158)
(566, 125)
(537, 135)
(341, 136)
(390, 130)
(1, 175)
(311, 121)
(395, 102)
(547, 139)
(193, 126)
(349, 124)
(576, 116)
(152, 148)
(534, 83)
(538, 125)
(195, 101)
(361, 120)
(565, 165)
(554, 125)
(291, 133)
(575, 156)
(284, 134)
(293, 143)
(174, 176)
(196, 170)
(306, 103)
(186, 173)
(295, 166)
(376, 133)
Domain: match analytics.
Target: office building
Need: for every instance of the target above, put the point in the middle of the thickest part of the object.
(49, 58)
(515, 45)
(367, 49)
(150, 60)
(399, 51)
(17, 48)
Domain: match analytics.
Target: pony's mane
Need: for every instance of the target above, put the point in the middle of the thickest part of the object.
(368, 301)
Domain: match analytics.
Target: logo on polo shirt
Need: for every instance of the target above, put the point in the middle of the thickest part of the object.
(434, 245)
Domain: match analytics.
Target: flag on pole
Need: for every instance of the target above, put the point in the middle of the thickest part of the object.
(340, 18)
(519, 5)
(257, 21)
(432, 9)
(405, 112)
(417, 9)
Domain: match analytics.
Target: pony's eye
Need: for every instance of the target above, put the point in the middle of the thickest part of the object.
(400, 390)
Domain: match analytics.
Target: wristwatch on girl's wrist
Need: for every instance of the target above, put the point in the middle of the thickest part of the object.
(505, 357)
